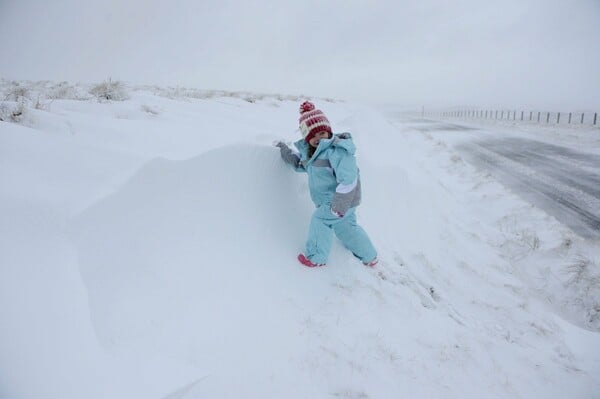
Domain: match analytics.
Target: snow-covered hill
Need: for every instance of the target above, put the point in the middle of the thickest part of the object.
(147, 250)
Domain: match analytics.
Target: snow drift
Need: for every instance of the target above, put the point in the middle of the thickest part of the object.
(189, 241)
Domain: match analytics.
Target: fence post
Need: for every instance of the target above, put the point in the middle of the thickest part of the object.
(539, 116)
(496, 115)
(595, 117)
(547, 117)
(530, 115)
(558, 118)
(570, 117)
(501, 114)
(582, 115)
(522, 112)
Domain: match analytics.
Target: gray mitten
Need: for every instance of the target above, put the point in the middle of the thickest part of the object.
(279, 144)
(287, 155)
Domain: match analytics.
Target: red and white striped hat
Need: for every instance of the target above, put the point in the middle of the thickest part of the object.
(312, 121)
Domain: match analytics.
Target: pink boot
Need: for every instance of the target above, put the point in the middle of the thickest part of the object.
(306, 262)
(371, 263)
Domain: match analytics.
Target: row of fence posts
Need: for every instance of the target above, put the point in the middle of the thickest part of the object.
(506, 115)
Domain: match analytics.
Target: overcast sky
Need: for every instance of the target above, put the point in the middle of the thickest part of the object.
(534, 53)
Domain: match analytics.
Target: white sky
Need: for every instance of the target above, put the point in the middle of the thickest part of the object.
(532, 53)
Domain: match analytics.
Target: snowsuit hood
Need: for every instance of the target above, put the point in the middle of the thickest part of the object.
(340, 140)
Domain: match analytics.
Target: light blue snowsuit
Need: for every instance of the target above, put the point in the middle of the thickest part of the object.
(334, 183)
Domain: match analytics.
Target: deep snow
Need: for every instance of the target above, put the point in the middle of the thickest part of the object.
(147, 249)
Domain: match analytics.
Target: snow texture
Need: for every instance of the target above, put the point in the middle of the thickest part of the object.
(148, 250)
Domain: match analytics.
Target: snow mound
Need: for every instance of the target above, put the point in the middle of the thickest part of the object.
(175, 230)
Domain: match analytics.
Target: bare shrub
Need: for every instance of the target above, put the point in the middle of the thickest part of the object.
(110, 91)
(584, 280)
(63, 91)
(12, 112)
(16, 92)
(41, 105)
(583, 270)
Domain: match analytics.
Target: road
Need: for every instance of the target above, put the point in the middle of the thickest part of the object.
(562, 181)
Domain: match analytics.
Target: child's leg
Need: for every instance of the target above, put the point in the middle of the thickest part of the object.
(320, 236)
(354, 237)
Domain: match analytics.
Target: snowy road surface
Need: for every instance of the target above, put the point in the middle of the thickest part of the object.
(564, 182)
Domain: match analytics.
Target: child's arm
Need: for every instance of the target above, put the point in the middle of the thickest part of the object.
(348, 188)
(289, 157)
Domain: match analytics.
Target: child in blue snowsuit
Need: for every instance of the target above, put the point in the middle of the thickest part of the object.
(334, 182)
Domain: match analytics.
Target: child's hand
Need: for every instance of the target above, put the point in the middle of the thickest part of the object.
(279, 144)
(337, 214)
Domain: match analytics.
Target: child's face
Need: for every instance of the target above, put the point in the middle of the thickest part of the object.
(314, 141)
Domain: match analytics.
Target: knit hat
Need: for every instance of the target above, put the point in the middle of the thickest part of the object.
(312, 121)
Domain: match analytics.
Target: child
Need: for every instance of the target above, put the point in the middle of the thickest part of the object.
(334, 183)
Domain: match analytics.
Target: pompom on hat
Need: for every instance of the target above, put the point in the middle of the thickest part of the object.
(312, 121)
